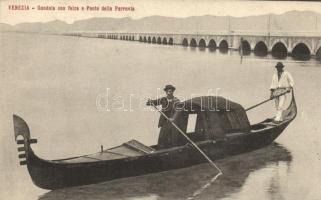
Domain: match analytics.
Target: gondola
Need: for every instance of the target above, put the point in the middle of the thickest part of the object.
(220, 128)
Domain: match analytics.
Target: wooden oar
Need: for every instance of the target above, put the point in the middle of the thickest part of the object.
(195, 145)
(256, 105)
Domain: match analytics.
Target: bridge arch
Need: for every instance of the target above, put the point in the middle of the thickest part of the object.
(170, 41)
(212, 44)
(185, 42)
(223, 46)
(164, 40)
(245, 47)
(202, 43)
(260, 49)
(279, 40)
(318, 54)
(145, 39)
(279, 50)
(140, 38)
(159, 40)
(298, 42)
(301, 51)
(193, 43)
(154, 40)
(149, 40)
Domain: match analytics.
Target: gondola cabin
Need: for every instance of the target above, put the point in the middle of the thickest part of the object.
(205, 118)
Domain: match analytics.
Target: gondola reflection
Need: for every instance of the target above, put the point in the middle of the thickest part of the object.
(184, 183)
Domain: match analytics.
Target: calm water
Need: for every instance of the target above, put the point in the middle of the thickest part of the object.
(53, 82)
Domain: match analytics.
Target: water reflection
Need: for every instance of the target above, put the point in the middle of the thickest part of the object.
(185, 183)
(275, 188)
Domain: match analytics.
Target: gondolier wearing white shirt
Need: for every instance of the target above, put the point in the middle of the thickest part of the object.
(282, 81)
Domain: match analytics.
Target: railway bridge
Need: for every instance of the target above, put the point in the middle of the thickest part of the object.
(301, 45)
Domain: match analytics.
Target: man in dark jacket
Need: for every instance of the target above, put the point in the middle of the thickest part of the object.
(168, 104)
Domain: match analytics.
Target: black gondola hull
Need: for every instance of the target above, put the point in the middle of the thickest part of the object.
(59, 173)
(50, 175)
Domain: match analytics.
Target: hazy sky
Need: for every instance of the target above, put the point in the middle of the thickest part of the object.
(174, 8)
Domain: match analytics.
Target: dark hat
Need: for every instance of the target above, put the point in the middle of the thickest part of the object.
(167, 87)
(279, 65)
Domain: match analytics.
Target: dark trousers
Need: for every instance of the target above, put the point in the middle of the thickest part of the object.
(168, 136)
(164, 138)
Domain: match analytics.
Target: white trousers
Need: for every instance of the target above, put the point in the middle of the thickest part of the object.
(280, 104)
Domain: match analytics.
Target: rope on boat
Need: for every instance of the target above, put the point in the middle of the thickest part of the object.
(195, 145)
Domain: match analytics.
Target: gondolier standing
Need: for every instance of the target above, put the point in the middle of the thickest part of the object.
(282, 81)
(168, 104)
